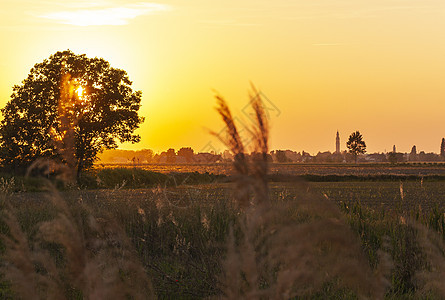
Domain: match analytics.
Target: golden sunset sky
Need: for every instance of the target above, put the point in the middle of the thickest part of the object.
(374, 66)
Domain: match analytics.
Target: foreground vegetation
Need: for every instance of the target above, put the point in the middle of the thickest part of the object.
(190, 241)
(117, 178)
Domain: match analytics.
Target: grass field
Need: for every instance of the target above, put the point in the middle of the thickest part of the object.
(178, 241)
(365, 169)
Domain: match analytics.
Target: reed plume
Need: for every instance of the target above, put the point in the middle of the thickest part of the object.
(283, 249)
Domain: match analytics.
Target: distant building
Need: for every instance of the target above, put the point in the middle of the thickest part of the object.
(394, 149)
(337, 143)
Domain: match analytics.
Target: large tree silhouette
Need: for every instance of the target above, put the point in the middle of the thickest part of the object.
(356, 144)
(68, 103)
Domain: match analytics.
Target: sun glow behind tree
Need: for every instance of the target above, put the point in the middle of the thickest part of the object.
(79, 92)
(70, 107)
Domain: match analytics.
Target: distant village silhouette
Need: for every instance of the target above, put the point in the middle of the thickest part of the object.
(188, 155)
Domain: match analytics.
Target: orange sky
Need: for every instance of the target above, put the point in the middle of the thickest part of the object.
(375, 66)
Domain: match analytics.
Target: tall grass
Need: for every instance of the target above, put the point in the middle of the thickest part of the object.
(67, 252)
(283, 249)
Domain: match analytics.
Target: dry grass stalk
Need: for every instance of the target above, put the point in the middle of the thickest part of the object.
(433, 246)
(20, 263)
(100, 260)
(260, 137)
(250, 176)
(236, 146)
(289, 248)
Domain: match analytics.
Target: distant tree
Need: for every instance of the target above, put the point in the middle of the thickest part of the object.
(323, 157)
(442, 148)
(337, 157)
(395, 157)
(171, 155)
(305, 157)
(69, 100)
(227, 156)
(256, 156)
(187, 153)
(145, 155)
(356, 144)
(281, 156)
(429, 157)
(413, 154)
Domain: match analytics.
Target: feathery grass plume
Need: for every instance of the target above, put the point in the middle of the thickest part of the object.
(7, 185)
(260, 131)
(295, 247)
(431, 279)
(96, 258)
(250, 176)
(402, 193)
(21, 262)
(240, 163)
(283, 249)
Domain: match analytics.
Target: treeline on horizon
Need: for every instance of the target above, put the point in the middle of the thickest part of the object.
(188, 155)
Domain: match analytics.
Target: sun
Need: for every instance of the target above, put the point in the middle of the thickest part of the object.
(79, 91)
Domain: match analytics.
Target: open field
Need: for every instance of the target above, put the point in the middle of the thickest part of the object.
(180, 233)
(375, 195)
(417, 169)
(187, 239)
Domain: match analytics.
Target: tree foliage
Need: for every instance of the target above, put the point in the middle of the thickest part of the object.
(187, 153)
(281, 156)
(356, 144)
(35, 120)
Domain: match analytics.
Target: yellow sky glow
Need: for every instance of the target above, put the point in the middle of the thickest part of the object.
(374, 66)
(114, 15)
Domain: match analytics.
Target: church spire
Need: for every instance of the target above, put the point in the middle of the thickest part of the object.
(337, 143)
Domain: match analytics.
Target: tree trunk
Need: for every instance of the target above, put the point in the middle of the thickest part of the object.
(80, 164)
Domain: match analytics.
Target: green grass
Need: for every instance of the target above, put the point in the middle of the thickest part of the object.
(110, 178)
(139, 178)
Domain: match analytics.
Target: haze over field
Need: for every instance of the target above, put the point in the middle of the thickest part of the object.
(374, 66)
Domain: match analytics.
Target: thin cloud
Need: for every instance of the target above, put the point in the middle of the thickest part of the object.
(228, 22)
(98, 15)
(347, 9)
(328, 44)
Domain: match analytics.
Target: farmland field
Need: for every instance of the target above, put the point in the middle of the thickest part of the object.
(418, 169)
(380, 194)
(176, 238)
(375, 195)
